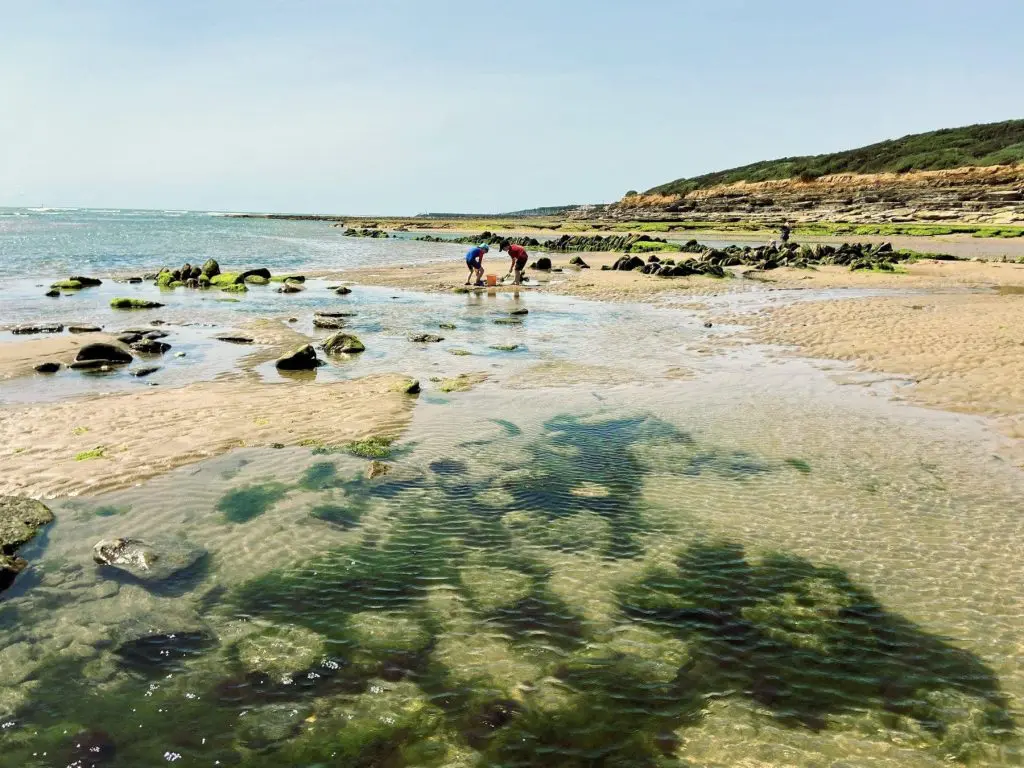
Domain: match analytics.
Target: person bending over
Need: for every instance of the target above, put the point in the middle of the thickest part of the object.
(519, 256)
(475, 263)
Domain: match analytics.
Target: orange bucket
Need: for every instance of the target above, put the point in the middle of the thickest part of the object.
(492, 280)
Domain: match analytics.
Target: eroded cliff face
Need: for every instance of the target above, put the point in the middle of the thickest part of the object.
(992, 195)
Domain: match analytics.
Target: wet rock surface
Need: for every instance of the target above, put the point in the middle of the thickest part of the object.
(21, 330)
(234, 338)
(426, 338)
(151, 560)
(301, 359)
(20, 520)
(102, 351)
(150, 346)
(343, 343)
(84, 329)
(47, 367)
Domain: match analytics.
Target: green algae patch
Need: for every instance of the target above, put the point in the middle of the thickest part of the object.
(799, 465)
(234, 288)
(322, 475)
(110, 510)
(505, 347)
(342, 516)
(224, 278)
(460, 352)
(461, 383)
(67, 285)
(164, 279)
(95, 453)
(244, 504)
(376, 447)
(124, 303)
(257, 280)
(491, 589)
(281, 651)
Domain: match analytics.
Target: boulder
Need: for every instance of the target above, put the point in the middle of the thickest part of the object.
(102, 351)
(413, 388)
(291, 288)
(129, 337)
(38, 328)
(330, 323)
(20, 520)
(234, 338)
(343, 343)
(87, 282)
(192, 283)
(343, 290)
(211, 268)
(195, 272)
(542, 263)
(150, 346)
(84, 329)
(261, 272)
(520, 311)
(53, 293)
(145, 370)
(426, 338)
(301, 359)
(628, 263)
(48, 367)
(153, 560)
(576, 261)
(134, 304)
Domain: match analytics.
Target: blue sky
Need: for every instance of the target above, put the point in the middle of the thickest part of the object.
(396, 106)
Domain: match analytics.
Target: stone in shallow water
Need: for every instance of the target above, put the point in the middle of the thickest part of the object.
(84, 329)
(234, 338)
(101, 351)
(47, 367)
(330, 323)
(149, 561)
(491, 589)
(37, 328)
(281, 651)
(151, 346)
(343, 343)
(145, 370)
(262, 728)
(426, 338)
(301, 359)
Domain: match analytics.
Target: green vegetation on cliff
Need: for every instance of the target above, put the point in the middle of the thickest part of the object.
(973, 145)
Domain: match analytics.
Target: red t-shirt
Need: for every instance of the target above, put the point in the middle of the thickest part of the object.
(517, 252)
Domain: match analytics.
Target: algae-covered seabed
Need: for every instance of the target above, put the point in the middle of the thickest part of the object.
(615, 551)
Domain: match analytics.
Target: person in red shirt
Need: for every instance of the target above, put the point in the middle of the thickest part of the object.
(519, 256)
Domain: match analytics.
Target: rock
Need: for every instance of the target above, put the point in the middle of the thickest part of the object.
(413, 388)
(234, 288)
(20, 520)
(707, 324)
(234, 338)
(145, 370)
(447, 326)
(256, 280)
(84, 329)
(93, 365)
(289, 278)
(134, 304)
(293, 319)
(334, 313)
(542, 263)
(343, 343)
(48, 367)
(102, 351)
(579, 262)
(426, 338)
(520, 311)
(261, 272)
(628, 264)
(377, 469)
(281, 651)
(88, 282)
(301, 359)
(343, 290)
(330, 323)
(149, 561)
(192, 283)
(291, 288)
(211, 268)
(67, 285)
(129, 338)
(179, 354)
(268, 725)
(38, 328)
(508, 321)
(53, 293)
(195, 273)
(151, 347)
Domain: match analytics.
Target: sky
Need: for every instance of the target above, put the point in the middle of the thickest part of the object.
(407, 106)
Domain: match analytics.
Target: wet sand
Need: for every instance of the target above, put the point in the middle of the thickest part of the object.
(20, 357)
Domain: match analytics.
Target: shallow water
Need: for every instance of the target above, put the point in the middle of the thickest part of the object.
(619, 550)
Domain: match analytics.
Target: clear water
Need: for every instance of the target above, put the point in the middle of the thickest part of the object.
(617, 551)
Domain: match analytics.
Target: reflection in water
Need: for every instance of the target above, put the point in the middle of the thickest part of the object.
(439, 632)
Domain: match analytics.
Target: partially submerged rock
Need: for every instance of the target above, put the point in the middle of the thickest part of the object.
(211, 268)
(426, 338)
(53, 293)
(281, 651)
(330, 323)
(257, 280)
(462, 383)
(301, 359)
(234, 288)
(343, 343)
(100, 350)
(38, 328)
(334, 313)
(20, 520)
(542, 263)
(84, 329)
(124, 303)
(261, 272)
(86, 282)
(150, 346)
(49, 366)
(343, 290)
(291, 287)
(144, 370)
(150, 561)
(234, 338)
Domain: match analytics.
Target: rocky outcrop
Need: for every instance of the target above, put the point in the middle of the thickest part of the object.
(301, 359)
(261, 272)
(426, 338)
(368, 232)
(20, 520)
(343, 343)
(211, 268)
(108, 353)
(148, 561)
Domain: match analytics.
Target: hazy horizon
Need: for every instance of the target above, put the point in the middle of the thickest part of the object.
(400, 108)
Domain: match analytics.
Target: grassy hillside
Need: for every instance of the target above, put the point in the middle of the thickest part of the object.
(988, 144)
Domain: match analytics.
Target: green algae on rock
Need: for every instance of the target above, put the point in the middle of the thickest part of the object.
(375, 447)
(20, 520)
(125, 303)
(343, 344)
(233, 288)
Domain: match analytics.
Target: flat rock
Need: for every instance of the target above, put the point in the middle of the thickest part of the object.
(38, 328)
(94, 365)
(125, 303)
(49, 366)
(343, 343)
(129, 338)
(333, 313)
(154, 559)
(84, 329)
(520, 311)
(343, 290)
(53, 293)
(426, 338)
(331, 323)
(300, 359)
(290, 288)
(102, 351)
(144, 370)
(87, 282)
(151, 346)
(234, 338)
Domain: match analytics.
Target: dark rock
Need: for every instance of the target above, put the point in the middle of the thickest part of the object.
(261, 272)
(652, 259)
(154, 560)
(53, 293)
(195, 272)
(102, 351)
(334, 313)
(129, 338)
(628, 263)
(343, 343)
(38, 328)
(343, 290)
(192, 282)
(156, 334)
(87, 282)
(84, 329)
(542, 263)
(579, 262)
(520, 311)
(884, 248)
(94, 365)
(426, 338)
(151, 276)
(151, 346)
(447, 326)
(48, 367)
(509, 321)
(301, 359)
(145, 370)
(122, 303)
(133, 280)
(413, 388)
(234, 338)
(20, 519)
(290, 288)
(293, 278)
(211, 268)
(708, 324)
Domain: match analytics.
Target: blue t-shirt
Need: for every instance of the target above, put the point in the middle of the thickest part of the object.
(475, 253)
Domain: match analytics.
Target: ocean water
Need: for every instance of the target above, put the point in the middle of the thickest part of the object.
(635, 544)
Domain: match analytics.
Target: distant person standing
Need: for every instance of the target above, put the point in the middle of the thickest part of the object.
(519, 258)
(475, 263)
(784, 234)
